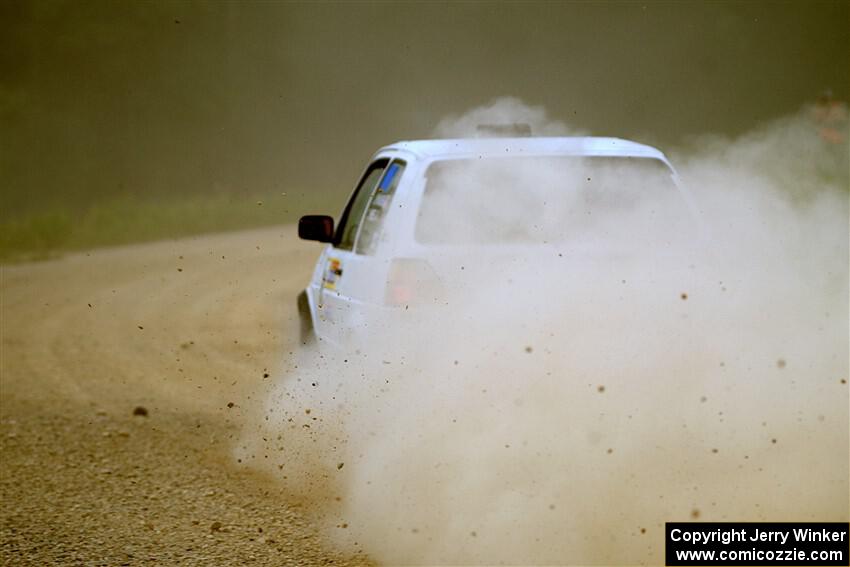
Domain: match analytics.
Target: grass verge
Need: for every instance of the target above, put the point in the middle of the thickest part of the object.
(128, 219)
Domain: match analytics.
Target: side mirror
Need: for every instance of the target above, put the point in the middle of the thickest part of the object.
(316, 227)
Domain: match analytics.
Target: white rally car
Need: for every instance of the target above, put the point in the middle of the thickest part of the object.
(427, 213)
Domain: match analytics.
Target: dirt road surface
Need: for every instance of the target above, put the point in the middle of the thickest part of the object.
(185, 333)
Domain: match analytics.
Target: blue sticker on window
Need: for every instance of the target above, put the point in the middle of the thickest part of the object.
(387, 181)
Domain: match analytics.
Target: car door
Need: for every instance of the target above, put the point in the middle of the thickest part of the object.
(351, 281)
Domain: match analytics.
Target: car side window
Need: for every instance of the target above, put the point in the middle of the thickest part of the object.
(346, 233)
(378, 207)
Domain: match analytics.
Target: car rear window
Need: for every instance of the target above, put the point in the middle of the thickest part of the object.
(551, 199)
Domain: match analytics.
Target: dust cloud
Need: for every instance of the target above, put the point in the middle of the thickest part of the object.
(502, 110)
(557, 403)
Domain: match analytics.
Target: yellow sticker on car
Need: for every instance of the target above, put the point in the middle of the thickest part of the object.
(333, 271)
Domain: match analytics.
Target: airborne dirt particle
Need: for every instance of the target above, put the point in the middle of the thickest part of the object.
(528, 349)
(780, 363)
(140, 410)
(339, 466)
(230, 404)
(600, 389)
(695, 513)
(684, 296)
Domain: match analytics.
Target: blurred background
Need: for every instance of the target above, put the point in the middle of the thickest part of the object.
(131, 121)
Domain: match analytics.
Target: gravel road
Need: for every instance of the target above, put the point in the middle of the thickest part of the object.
(123, 375)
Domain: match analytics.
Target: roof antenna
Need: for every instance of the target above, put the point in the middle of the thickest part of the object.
(513, 130)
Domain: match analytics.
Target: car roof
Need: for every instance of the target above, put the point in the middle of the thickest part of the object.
(578, 146)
